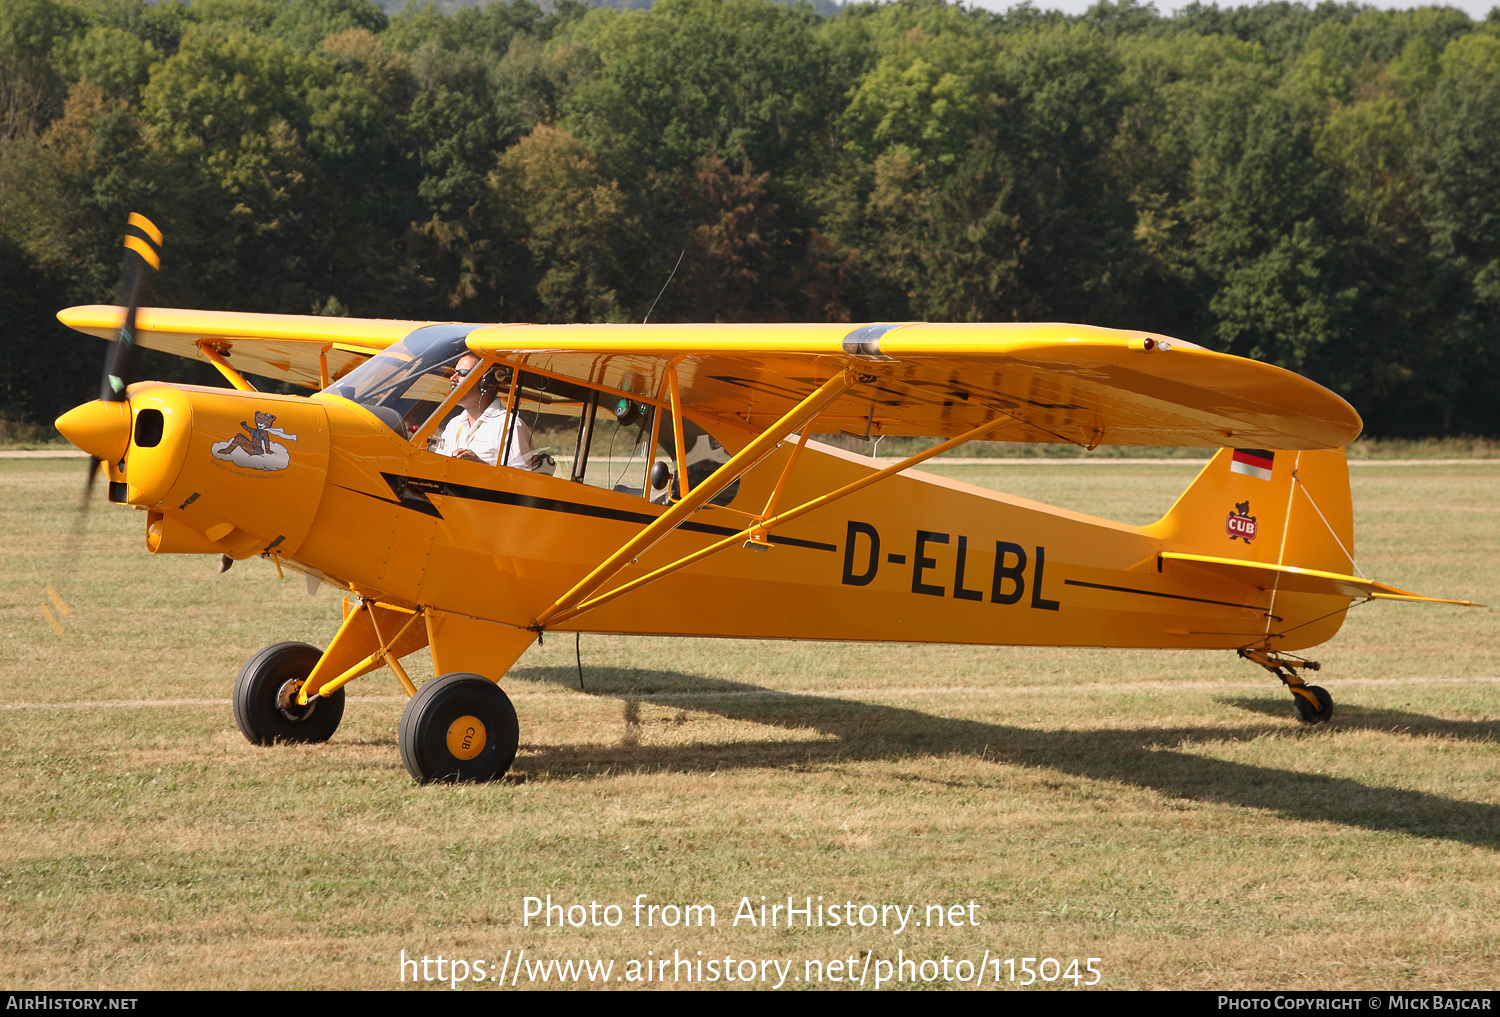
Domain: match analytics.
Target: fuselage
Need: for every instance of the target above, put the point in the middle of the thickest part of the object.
(329, 489)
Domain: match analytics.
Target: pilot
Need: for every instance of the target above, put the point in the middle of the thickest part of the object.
(476, 431)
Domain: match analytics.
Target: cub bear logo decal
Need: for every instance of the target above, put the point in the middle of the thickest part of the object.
(254, 450)
(1241, 524)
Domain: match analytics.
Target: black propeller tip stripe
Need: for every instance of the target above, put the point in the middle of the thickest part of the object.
(140, 233)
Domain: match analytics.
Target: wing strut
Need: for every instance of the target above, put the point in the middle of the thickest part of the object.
(758, 539)
(234, 377)
(763, 445)
(761, 526)
(682, 473)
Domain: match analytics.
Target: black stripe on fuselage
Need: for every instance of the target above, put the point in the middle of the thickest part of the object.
(1169, 596)
(412, 493)
(367, 494)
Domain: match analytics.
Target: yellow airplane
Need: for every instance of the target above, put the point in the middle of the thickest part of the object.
(685, 495)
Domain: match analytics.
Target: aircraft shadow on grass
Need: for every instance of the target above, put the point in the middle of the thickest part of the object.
(1364, 718)
(1142, 757)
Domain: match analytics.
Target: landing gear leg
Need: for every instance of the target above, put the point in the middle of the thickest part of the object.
(1311, 703)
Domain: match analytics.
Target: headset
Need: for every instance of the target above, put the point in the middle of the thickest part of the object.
(490, 382)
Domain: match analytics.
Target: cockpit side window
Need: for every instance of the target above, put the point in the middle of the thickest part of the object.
(614, 450)
(603, 439)
(575, 435)
(703, 455)
(560, 428)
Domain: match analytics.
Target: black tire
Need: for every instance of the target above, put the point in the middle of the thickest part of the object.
(437, 708)
(267, 681)
(1304, 710)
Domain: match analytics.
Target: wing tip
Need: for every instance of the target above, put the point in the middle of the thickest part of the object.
(91, 318)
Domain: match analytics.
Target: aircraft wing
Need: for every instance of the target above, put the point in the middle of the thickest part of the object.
(1055, 382)
(282, 346)
(1058, 382)
(1298, 580)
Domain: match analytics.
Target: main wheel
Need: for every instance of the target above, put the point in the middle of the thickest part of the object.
(265, 698)
(459, 727)
(1304, 710)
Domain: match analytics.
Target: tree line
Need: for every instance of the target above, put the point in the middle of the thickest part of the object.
(1311, 186)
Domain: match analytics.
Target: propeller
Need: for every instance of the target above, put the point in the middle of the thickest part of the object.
(102, 427)
(143, 243)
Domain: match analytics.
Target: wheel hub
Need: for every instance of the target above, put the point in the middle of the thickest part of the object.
(286, 702)
(466, 737)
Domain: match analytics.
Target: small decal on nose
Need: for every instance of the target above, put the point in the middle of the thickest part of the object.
(254, 449)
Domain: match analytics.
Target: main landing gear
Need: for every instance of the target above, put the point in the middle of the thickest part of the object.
(1311, 703)
(459, 727)
(265, 698)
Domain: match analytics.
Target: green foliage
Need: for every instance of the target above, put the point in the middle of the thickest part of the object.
(112, 58)
(159, 24)
(527, 85)
(34, 386)
(306, 23)
(230, 101)
(734, 77)
(1266, 230)
(486, 31)
(1281, 28)
(934, 85)
(576, 225)
(31, 86)
(1310, 185)
(1460, 172)
(65, 195)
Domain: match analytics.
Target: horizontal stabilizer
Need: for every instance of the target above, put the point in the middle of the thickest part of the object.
(1292, 579)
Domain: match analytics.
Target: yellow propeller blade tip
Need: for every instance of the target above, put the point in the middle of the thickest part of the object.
(146, 226)
(57, 601)
(144, 249)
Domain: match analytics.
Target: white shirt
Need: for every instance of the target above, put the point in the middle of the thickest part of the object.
(483, 436)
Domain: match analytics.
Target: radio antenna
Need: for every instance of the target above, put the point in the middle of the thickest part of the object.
(664, 286)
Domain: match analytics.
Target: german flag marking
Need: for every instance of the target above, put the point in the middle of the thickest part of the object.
(1252, 462)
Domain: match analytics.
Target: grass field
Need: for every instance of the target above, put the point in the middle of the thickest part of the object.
(1160, 811)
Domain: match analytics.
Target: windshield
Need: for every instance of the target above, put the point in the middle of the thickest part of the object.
(404, 384)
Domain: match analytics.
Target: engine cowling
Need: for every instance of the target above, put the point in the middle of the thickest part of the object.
(236, 473)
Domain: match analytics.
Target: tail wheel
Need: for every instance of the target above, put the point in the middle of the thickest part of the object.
(459, 727)
(265, 698)
(1304, 709)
